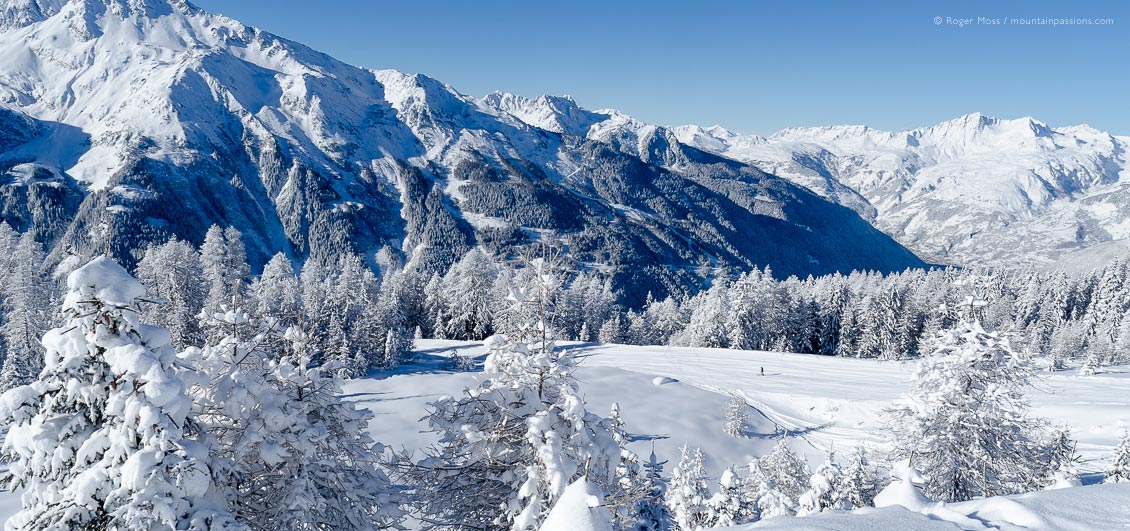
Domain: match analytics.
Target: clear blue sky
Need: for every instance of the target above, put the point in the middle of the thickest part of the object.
(751, 66)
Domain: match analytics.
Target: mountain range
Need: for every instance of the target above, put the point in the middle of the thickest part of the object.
(125, 122)
(973, 190)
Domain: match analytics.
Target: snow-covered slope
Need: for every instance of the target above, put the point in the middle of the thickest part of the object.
(969, 190)
(1087, 508)
(152, 117)
(672, 396)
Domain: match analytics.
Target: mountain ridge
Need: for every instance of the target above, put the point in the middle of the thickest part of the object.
(163, 119)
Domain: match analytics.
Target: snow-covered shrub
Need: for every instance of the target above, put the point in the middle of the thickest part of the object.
(859, 484)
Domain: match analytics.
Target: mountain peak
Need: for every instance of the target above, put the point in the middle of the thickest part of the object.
(18, 13)
(560, 114)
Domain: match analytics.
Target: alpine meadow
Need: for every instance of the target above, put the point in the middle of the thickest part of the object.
(247, 286)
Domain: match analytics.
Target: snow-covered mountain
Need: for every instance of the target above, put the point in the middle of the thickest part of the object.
(126, 121)
(971, 190)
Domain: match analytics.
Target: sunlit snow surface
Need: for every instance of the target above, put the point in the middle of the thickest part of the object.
(674, 396)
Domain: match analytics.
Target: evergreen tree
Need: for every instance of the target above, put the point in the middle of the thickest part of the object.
(1061, 459)
(736, 415)
(965, 420)
(530, 433)
(172, 273)
(651, 509)
(290, 453)
(224, 264)
(772, 502)
(859, 481)
(277, 293)
(787, 471)
(97, 441)
(466, 297)
(613, 331)
(1119, 469)
(27, 294)
(687, 492)
(728, 506)
(825, 491)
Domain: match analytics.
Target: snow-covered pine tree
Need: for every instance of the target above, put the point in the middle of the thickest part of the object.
(614, 330)
(355, 336)
(616, 425)
(735, 416)
(508, 448)
(860, 483)
(787, 471)
(290, 453)
(224, 264)
(276, 292)
(1060, 463)
(1119, 469)
(688, 493)
(651, 508)
(707, 324)
(96, 442)
(466, 297)
(390, 318)
(728, 506)
(27, 293)
(965, 420)
(825, 490)
(772, 502)
(172, 274)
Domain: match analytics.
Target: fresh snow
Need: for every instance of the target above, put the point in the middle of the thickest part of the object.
(670, 397)
(578, 509)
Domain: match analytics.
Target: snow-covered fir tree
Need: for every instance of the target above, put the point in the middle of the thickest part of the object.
(224, 265)
(276, 292)
(825, 490)
(613, 331)
(172, 274)
(735, 416)
(1119, 469)
(466, 297)
(688, 492)
(772, 502)
(651, 508)
(289, 453)
(509, 447)
(1060, 468)
(787, 471)
(965, 420)
(97, 441)
(860, 483)
(729, 506)
(27, 296)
